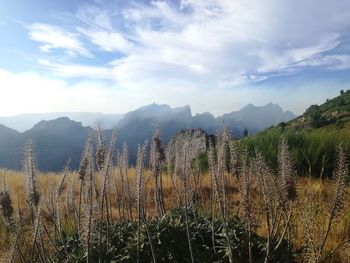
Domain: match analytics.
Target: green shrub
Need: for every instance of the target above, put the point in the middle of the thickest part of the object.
(169, 241)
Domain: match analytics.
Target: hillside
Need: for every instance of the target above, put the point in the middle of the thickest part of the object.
(54, 143)
(313, 137)
(333, 114)
(11, 148)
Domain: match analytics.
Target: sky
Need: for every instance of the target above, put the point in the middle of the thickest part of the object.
(215, 55)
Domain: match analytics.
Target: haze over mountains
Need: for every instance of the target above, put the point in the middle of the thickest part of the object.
(252, 117)
(61, 138)
(24, 122)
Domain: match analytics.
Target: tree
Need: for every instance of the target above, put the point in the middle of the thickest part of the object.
(245, 132)
(341, 102)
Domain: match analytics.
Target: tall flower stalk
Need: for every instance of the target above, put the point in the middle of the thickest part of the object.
(31, 181)
(156, 159)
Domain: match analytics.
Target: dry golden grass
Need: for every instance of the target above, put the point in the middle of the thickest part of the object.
(310, 192)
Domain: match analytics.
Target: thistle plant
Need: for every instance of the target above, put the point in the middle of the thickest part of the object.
(286, 186)
(217, 169)
(6, 208)
(156, 159)
(88, 224)
(14, 250)
(37, 248)
(182, 170)
(101, 149)
(286, 173)
(245, 182)
(59, 192)
(31, 181)
(315, 243)
(84, 168)
(123, 171)
(270, 204)
(140, 194)
(107, 170)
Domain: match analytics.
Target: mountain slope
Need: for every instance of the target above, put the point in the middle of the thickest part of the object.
(11, 148)
(256, 118)
(140, 124)
(252, 117)
(313, 138)
(54, 143)
(333, 114)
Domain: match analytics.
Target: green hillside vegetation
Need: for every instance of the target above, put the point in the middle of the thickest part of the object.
(334, 113)
(312, 137)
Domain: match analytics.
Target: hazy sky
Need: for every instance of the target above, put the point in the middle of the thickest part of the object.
(217, 56)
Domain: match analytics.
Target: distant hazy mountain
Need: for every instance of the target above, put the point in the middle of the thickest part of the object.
(256, 118)
(11, 148)
(158, 113)
(140, 124)
(25, 122)
(54, 143)
(57, 140)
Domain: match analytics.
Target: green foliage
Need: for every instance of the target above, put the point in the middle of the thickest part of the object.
(312, 150)
(169, 241)
(245, 132)
(201, 162)
(119, 236)
(314, 112)
(340, 103)
(330, 112)
(282, 125)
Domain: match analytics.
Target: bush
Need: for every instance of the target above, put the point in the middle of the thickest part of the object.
(169, 241)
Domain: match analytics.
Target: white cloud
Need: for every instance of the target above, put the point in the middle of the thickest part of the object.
(218, 43)
(96, 17)
(29, 92)
(294, 58)
(207, 42)
(202, 52)
(331, 62)
(109, 41)
(69, 70)
(54, 37)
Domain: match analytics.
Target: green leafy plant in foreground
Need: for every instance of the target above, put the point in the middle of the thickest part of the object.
(169, 240)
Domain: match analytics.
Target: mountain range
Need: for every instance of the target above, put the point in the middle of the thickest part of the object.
(24, 122)
(58, 139)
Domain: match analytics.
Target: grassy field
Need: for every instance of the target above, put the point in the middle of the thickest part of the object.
(312, 137)
(313, 150)
(244, 208)
(275, 217)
